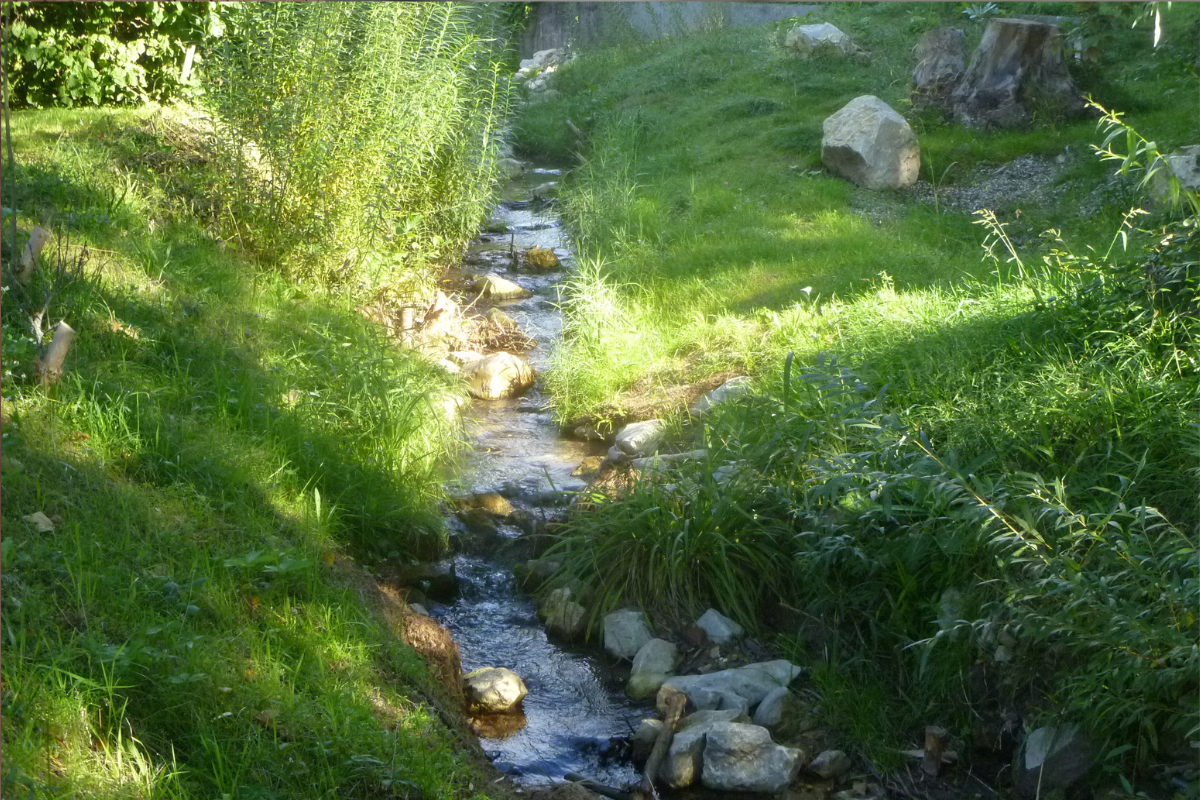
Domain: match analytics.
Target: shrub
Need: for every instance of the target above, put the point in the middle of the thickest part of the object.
(359, 138)
(78, 54)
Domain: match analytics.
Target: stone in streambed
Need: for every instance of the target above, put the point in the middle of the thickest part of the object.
(830, 764)
(497, 376)
(750, 683)
(494, 689)
(638, 439)
(510, 168)
(729, 390)
(653, 664)
(493, 287)
(625, 633)
(720, 628)
(541, 258)
(562, 614)
(742, 758)
(643, 739)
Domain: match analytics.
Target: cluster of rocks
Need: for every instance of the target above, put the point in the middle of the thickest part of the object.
(535, 71)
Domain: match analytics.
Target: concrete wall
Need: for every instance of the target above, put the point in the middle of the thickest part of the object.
(554, 24)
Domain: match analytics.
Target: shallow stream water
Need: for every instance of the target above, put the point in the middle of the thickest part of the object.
(575, 704)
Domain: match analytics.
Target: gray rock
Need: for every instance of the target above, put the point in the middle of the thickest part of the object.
(617, 456)
(661, 463)
(494, 689)
(643, 739)
(653, 664)
(830, 764)
(682, 765)
(742, 758)
(1051, 759)
(720, 628)
(868, 143)
(639, 439)
(493, 287)
(806, 39)
(751, 683)
(729, 390)
(562, 615)
(1184, 165)
(625, 633)
(710, 717)
(510, 168)
(497, 376)
(546, 191)
(770, 711)
(417, 608)
(499, 318)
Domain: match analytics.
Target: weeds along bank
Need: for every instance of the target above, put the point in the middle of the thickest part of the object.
(178, 617)
(971, 498)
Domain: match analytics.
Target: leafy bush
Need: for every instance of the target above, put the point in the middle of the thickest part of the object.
(78, 54)
(359, 138)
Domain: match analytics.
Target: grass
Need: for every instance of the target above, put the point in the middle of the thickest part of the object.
(1005, 443)
(223, 440)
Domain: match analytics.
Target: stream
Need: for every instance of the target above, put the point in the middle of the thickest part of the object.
(575, 704)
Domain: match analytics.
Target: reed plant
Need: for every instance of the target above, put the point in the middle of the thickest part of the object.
(359, 139)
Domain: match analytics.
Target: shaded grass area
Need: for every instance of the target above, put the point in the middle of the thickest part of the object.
(220, 440)
(973, 492)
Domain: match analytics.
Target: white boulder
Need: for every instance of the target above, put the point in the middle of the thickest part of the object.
(720, 628)
(625, 633)
(493, 287)
(653, 664)
(1184, 165)
(510, 168)
(805, 39)
(742, 758)
(494, 689)
(496, 376)
(868, 143)
(638, 439)
(750, 683)
(729, 390)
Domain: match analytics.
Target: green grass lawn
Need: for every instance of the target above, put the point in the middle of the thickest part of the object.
(702, 193)
(220, 439)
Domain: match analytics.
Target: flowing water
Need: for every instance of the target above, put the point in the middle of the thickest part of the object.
(575, 704)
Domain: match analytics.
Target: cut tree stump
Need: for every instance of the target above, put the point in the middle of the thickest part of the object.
(1018, 69)
(941, 61)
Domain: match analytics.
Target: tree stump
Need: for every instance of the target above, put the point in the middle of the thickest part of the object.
(1018, 68)
(941, 61)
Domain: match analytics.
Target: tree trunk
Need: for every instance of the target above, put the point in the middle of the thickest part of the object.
(941, 61)
(1017, 71)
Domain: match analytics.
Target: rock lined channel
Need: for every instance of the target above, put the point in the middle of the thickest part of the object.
(574, 706)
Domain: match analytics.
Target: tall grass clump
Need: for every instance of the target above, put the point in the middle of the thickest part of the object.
(360, 138)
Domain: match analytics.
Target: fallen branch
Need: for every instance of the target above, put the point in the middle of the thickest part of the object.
(29, 259)
(675, 702)
(50, 365)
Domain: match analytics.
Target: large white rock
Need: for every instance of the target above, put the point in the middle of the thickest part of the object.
(494, 689)
(711, 717)
(868, 143)
(638, 439)
(653, 664)
(493, 287)
(729, 390)
(751, 683)
(742, 758)
(804, 39)
(720, 628)
(1184, 165)
(625, 633)
(496, 376)
(562, 615)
